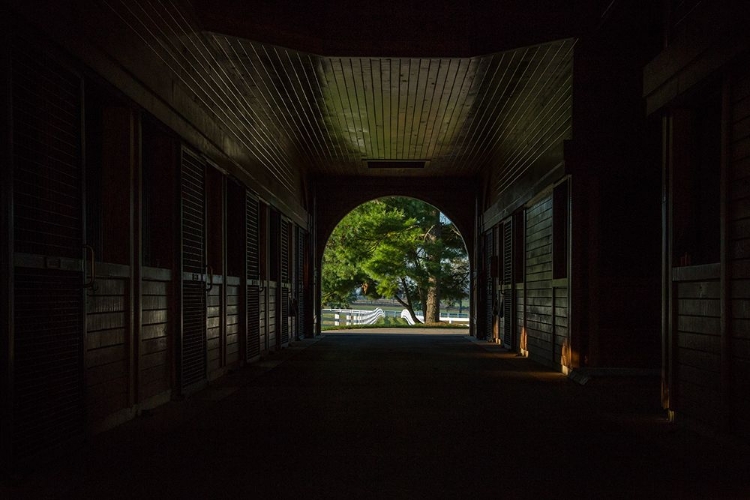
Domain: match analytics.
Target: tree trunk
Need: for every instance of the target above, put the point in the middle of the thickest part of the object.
(409, 304)
(423, 300)
(432, 303)
(432, 312)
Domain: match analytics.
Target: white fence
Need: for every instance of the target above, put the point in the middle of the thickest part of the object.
(354, 317)
(444, 319)
(350, 317)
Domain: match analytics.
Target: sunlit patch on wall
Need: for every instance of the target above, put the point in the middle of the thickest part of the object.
(565, 357)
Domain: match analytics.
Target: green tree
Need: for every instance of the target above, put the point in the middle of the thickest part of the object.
(396, 247)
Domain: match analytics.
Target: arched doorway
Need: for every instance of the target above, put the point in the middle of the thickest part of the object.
(399, 256)
(337, 196)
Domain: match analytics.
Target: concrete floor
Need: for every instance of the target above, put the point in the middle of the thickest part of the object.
(402, 416)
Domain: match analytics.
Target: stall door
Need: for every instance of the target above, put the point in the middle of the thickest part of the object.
(519, 276)
(193, 340)
(507, 284)
(216, 284)
(488, 289)
(235, 265)
(284, 284)
(273, 294)
(539, 296)
(252, 344)
(48, 316)
(300, 282)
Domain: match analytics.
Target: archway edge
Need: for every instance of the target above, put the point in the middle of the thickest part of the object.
(337, 196)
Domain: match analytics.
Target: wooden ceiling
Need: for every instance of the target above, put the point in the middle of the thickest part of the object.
(457, 114)
(299, 112)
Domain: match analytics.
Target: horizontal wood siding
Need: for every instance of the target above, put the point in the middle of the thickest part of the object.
(213, 329)
(107, 353)
(520, 318)
(233, 321)
(156, 335)
(697, 356)
(562, 353)
(538, 283)
(739, 251)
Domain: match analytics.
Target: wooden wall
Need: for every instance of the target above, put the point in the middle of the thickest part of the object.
(88, 169)
(538, 288)
(708, 338)
(536, 305)
(696, 341)
(157, 333)
(299, 282)
(520, 310)
(561, 354)
(107, 343)
(739, 248)
(517, 278)
(214, 329)
(112, 384)
(486, 283)
(233, 320)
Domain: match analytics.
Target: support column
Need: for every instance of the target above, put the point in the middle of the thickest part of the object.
(6, 246)
(136, 256)
(725, 337)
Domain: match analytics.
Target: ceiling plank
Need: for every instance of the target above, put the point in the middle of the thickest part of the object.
(297, 114)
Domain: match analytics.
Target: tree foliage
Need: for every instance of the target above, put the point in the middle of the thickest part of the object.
(398, 248)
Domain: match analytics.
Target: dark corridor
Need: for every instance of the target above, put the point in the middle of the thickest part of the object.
(402, 416)
(171, 171)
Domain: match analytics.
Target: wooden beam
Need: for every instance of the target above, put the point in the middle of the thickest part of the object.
(6, 247)
(668, 287)
(712, 37)
(704, 272)
(223, 313)
(725, 274)
(136, 256)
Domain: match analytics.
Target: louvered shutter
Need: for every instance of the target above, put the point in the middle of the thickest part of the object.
(253, 276)
(193, 351)
(48, 316)
(507, 236)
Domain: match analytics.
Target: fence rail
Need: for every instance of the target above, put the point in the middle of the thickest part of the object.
(443, 318)
(354, 316)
